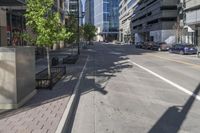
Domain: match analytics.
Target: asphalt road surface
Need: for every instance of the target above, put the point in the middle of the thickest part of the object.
(129, 90)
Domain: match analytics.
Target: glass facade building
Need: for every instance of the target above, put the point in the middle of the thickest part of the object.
(126, 11)
(89, 11)
(106, 19)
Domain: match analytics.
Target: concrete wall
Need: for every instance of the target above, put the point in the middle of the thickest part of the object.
(139, 38)
(157, 35)
(25, 71)
(3, 28)
(191, 3)
(17, 76)
(193, 17)
(167, 36)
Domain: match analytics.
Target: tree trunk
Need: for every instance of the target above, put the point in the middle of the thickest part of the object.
(48, 63)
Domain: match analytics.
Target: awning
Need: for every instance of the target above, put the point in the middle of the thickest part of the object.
(12, 2)
(189, 28)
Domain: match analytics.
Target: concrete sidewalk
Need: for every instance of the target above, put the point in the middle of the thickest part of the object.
(44, 111)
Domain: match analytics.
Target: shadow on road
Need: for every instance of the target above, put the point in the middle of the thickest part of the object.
(172, 120)
(106, 62)
(103, 67)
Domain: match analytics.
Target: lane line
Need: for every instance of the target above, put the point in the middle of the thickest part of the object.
(66, 115)
(177, 61)
(167, 81)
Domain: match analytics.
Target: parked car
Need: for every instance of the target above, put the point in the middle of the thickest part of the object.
(145, 45)
(150, 45)
(106, 41)
(139, 44)
(183, 49)
(161, 46)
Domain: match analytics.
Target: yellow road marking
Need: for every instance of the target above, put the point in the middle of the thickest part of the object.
(177, 61)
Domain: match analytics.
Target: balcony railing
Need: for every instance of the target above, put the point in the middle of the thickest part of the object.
(12, 2)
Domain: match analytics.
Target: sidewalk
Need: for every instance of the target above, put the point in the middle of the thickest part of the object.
(43, 112)
(41, 63)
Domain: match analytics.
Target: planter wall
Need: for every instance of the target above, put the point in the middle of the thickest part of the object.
(17, 76)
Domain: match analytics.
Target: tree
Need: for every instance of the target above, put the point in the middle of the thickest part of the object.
(71, 26)
(89, 32)
(46, 24)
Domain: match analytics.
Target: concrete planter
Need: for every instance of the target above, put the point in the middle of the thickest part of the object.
(17, 76)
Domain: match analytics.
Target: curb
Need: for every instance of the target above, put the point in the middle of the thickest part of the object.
(65, 122)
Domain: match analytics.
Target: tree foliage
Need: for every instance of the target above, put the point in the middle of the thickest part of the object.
(89, 32)
(71, 25)
(45, 22)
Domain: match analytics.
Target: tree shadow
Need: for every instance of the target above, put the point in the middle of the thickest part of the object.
(172, 120)
(106, 62)
(102, 70)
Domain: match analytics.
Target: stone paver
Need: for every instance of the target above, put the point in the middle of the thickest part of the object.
(44, 111)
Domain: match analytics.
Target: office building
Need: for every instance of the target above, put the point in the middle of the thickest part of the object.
(89, 11)
(106, 19)
(126, 10)
(155, 20)
(12, 22)
(192, 21)
(71, 8)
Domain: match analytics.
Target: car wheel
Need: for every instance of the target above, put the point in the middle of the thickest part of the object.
(181, 52)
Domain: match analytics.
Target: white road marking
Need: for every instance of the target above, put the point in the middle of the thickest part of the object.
(167, 81)
(66, 113)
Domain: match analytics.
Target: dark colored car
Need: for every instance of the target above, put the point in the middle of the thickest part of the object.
(183, 49)
(139, 44)
(145, 45)
(150, 45)
(106, 41)
(161, 46)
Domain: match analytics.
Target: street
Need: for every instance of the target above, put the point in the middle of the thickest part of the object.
(129, 90)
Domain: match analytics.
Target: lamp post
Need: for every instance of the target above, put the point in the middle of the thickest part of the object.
(78, 29)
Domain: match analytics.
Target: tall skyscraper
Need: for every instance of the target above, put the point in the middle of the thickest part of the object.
(71, 8)
(126, 10)
(106, 19)
(89, 11)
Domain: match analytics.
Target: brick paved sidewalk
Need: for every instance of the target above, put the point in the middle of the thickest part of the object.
(44, 111)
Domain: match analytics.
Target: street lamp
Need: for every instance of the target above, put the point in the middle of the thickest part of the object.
(78, 37)
(78, 29)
